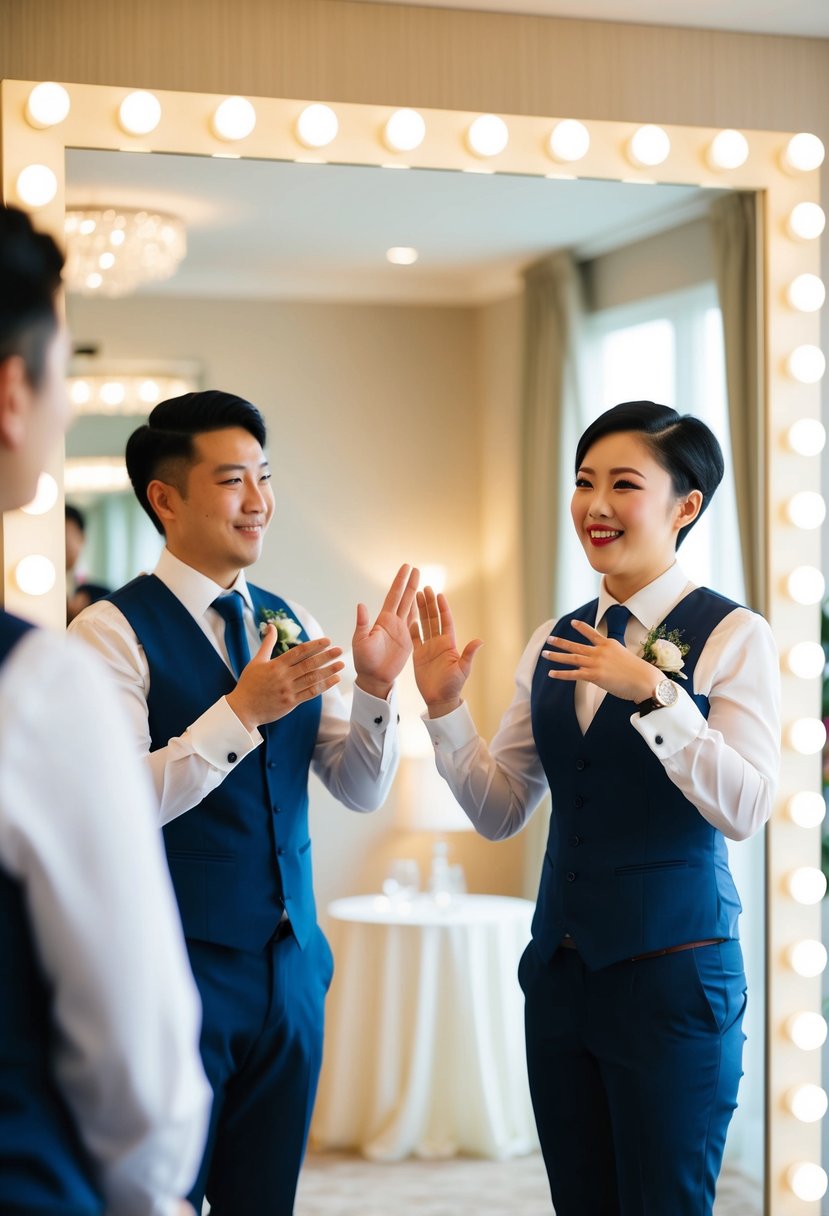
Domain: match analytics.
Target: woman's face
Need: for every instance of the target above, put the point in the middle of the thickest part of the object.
(626, 513)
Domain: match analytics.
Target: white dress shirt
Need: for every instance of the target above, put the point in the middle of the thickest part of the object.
(726, 765)
(355, 755)
(78, 832)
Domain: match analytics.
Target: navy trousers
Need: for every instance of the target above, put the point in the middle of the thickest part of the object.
(634, 1071)
(261, 1046)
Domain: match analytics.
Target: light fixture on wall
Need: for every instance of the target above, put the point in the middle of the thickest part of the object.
(130, 393)
(111, 251)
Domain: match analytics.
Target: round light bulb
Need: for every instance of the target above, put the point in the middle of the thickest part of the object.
(806, 364)
(401, 255)
(807, 221)
(94, 280)
(106, 261)
(80, 393)
(36, 185)
(807, 436)
(808, 1103)
(806, 660)
(488, 135)
(139, 113)
(806, 585)
(807, 808)
(234, 118)
(317, 126)
(728, 150)
(807, 885)
(404, 131)
(35, 574)
(807, 1030)
(806, 293)
(148, 392)
(649, 146)
(808, 958)
(807, 1181)
(806, 510)
(47, 105)
(807, 736)
(569, 140)
(45, 497)
(112, 393)
(803, 153)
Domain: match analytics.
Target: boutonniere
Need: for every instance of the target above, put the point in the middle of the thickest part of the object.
(287, 629)
(666, 651)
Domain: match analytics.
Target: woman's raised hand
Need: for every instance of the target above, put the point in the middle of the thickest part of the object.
(440, 671)
(604, 662)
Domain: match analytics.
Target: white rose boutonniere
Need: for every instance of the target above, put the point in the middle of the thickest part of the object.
(287, 629)
(666, 651)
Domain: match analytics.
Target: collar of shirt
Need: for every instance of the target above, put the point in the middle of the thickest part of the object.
(652, 603)
(195, 590)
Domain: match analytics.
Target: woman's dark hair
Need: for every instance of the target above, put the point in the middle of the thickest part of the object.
(163, 448)
(683, 445)
(30, 266)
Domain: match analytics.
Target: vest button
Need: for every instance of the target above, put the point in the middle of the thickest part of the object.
(271, 764)
(578, 801)
(232, 757)
(280, 852)
(570, 876)
(581, 765)
(575, 841)
(275, 809)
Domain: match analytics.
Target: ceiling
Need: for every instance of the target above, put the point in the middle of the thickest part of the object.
(267, 229)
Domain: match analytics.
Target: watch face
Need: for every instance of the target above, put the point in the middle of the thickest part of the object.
(666, 693)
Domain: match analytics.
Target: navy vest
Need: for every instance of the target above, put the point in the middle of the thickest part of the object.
(631, 866)
(243, 853)
(43, 1165)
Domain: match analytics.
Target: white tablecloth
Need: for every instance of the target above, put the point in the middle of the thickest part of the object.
(424, 1045)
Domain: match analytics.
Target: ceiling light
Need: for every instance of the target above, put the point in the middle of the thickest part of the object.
(803, 153)
(114, 251)
(806, 293)
(35, 574)
(728, 150)
(36, 185)
(487, 135)
(569, 140)
(45, 497)
(317, 126)
(807, 808)
(806, 364)
(139, 113)
(649, 146)
(234, 118)
(807, 221)
(402, 255)
(404, 131)
(47, 105)
(807, 436)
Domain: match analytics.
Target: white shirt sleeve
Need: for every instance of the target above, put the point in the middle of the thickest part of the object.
(77, 831)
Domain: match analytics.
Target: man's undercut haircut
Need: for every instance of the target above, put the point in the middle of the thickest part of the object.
(163, 448)
(30, 266)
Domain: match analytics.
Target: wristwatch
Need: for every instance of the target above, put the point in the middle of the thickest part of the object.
(665, 694)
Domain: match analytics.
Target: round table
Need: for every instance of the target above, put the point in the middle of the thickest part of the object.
(424, 1044)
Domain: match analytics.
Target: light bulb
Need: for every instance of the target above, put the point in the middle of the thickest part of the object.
(807, 736)
(317, 126)
(807, 221)
(112, 393)
(807, 1030)
(807, 1181)
(807, 885)
(45, 497)
(488, 135)
(803, 153)
(47, 105)
(806, 509)
(806, 364)
(806, 585)
(807, 808)
(35, 574)
(728, 150)
(808, 958)
(806, 660)
(148, 392)
(401, 255)
(807, 1103)
(806, 293)
(139, 113)
(404, 131)
(807, 437)
(94, 280)
(649, 146)
(234, 118)
(80, 393)
(106, 261)
(569, 140)
(36, 185)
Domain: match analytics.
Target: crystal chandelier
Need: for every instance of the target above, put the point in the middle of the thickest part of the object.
(112, 251)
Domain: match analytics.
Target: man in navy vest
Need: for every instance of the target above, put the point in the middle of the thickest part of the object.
(229, 740)
(103, 1099)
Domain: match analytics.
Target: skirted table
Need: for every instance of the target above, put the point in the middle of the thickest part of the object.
(424, 1043)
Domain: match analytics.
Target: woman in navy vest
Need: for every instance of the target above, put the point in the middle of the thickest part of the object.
(652, 716)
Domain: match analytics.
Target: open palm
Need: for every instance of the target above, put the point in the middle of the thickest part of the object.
(381, 650)
(441, 670)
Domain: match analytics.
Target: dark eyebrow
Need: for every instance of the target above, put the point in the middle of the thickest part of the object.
(584, 469)
(236, 468)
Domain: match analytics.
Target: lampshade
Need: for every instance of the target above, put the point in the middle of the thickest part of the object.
(424, 801)
(112, 251)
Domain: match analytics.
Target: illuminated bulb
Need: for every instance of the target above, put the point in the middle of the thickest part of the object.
(94, 280)
(47, 105)
(807, 809)
(806, 293)
(234, 118)
(117, 237)
(808, 958)
(87, 227)
(139, 113)
(806, 585)
(112, 393)
(569, 140)
(806, 509)
(808, 1103)
(317, 126)
(488, 135)
(148, 392)
(803, 153)
(404, 131)
(807, 364)
(45, 497)
(80, 393)
(106, 261)
(401, 255)
(433, 576)
(807, 885)
(35, 574)
(806, 660)
(649, 146)
(807, 1181)
(807, 736)
(36, 185)
(807, 221)
(728, 150)
(807, 1030)
(807, 436)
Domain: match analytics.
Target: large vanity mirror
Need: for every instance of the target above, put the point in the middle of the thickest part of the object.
(392, 396)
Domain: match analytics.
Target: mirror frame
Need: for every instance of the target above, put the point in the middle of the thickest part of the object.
(185, 127)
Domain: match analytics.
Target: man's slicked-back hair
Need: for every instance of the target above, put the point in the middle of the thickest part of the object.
(30, 266)
(681, 444)
(163, 448)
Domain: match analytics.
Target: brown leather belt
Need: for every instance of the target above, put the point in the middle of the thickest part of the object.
(569, 944)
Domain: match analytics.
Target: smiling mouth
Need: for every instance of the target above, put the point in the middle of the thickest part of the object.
(603, 536)
(253, 529)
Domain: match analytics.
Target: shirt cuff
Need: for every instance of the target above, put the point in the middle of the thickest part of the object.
(220, 738)
(666, 731)
(452, 731)
(372, 713)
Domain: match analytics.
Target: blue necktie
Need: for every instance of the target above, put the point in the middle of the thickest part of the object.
(617, 618)
(231, 608)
